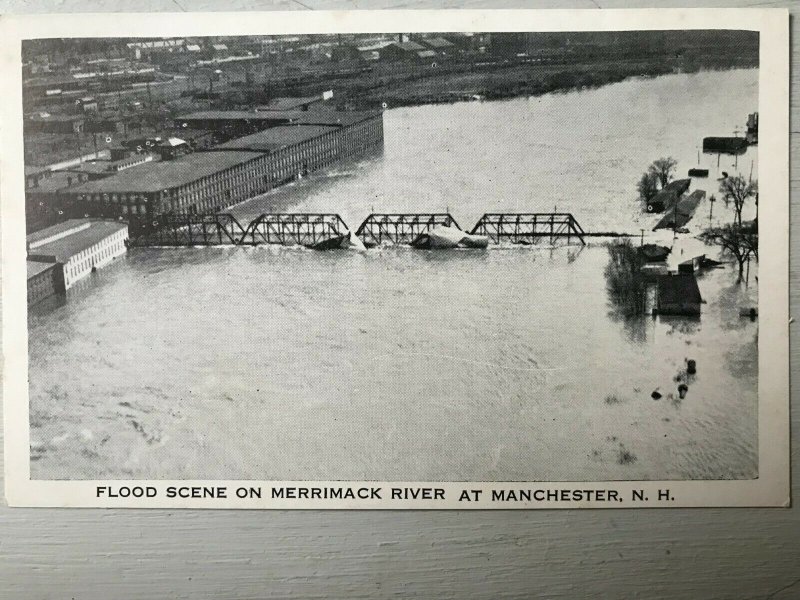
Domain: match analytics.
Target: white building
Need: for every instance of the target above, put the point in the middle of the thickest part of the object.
(80, 245)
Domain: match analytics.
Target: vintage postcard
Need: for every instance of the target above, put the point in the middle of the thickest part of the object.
(440, 259)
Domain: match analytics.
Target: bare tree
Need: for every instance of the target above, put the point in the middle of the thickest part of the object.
(736, 242)
(663, 169)
(737, 189)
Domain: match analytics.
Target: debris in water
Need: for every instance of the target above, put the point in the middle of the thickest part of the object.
(625, 456)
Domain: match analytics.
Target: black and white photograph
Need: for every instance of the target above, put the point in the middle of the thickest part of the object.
(443, 255)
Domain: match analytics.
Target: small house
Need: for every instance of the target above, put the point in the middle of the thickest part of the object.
(679, 294)
(173, 148)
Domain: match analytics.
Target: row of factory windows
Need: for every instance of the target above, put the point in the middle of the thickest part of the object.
(263, 173)
(82, 262)
(41, 286)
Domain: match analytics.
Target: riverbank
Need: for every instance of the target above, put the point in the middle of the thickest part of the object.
(518, 80)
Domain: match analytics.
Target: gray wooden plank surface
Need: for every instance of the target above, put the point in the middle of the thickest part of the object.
(709, 553)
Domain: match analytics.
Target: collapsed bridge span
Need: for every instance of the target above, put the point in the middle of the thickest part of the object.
(400, 228)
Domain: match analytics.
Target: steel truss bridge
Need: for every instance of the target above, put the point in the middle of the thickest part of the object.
(302, 229)
(309, 229)
(529, 228)
(400, 228)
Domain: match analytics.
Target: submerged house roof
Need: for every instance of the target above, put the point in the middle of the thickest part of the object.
(678, 289)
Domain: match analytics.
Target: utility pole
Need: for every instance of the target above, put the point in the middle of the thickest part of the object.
(747, 276)
(711, 210)
(756, 207)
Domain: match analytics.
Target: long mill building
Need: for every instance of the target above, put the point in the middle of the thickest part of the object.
(264, 150)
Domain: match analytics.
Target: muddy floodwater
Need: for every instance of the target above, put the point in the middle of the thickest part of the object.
(396, 364)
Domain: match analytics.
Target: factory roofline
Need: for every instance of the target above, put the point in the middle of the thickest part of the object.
(276, 138)
(290, 103)
(162, 175)
(306, 117)
(55, 230)
(58, 180)
(36, 266)
(68, 246)
(410, 46)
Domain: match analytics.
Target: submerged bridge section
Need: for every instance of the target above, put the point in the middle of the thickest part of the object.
(302, 229)
(529, 228)
(400, 228)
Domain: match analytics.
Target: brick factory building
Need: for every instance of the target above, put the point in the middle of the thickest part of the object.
(45, 279)
(229, 173)
(79, 246)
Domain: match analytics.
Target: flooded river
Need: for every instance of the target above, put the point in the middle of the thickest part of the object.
(397, 364)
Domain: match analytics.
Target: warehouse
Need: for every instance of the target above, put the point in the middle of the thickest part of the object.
(226, 174)
(80, 246)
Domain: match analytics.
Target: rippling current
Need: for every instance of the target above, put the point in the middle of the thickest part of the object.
(397, 364)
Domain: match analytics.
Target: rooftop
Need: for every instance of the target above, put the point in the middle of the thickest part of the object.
(275, 138)
(57, 180)
(58, 229)
(676, 289)
(290, 103)
(438, 42)
(235, 115)
(162, 175)
(65, 247)
(35, 267)
(173, 142)
(305, 117)
(101, 166)
(409, 46)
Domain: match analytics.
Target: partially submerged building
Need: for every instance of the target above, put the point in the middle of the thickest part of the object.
(78, 246)
(45, 279)
(678, 294)
(667, 197)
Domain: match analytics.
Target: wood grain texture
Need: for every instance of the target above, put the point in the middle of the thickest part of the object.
(654, 553)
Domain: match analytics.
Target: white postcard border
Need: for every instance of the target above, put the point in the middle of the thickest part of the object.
(771, 488)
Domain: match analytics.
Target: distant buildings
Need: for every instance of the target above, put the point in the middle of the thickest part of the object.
(440, 45)
(405, 51)
(264, 150)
